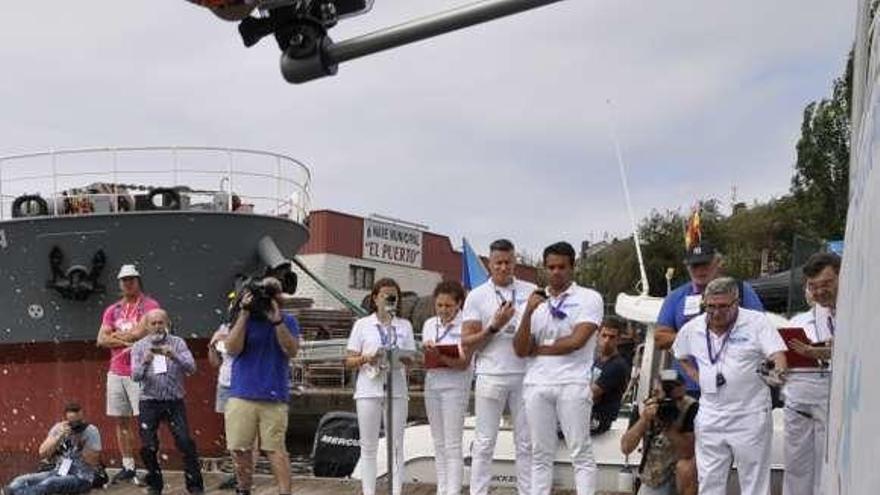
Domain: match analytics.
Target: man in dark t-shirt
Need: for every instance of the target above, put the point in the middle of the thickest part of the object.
(610, 376)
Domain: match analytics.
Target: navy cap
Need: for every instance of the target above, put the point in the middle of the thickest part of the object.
(703, 252)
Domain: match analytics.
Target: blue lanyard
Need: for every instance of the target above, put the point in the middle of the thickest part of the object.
(714, 358)
(448, 329)
(556, 311)
(501, 298)
(384, 336)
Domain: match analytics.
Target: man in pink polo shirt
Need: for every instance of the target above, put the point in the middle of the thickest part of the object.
(121, 326)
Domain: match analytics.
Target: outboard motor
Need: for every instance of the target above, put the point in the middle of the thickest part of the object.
(337, 447)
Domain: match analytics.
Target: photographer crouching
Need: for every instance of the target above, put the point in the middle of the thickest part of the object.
(75, 447)
(262, 340)
(666, 425)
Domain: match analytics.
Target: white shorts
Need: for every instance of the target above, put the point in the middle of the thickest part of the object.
(123, 395)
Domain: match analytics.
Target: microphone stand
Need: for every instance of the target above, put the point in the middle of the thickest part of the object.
(391, 355)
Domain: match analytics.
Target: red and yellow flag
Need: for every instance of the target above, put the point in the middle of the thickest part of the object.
(693, 235)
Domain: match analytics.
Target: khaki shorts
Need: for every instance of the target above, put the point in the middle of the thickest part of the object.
(123, 395)
(244, 418)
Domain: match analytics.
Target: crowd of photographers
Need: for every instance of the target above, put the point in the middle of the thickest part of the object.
(546, 356)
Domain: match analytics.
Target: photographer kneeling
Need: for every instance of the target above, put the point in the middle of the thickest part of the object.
(666, 425)
(75, 447)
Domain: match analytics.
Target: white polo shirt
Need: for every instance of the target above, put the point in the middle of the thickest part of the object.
(579, 305)
(497, 356)
(749, 343)
(440, 379)
(813, 388)
(367, 336)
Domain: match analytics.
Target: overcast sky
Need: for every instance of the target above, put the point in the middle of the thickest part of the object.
(500, 130)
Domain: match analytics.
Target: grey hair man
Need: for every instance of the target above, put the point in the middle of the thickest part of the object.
(728, 344)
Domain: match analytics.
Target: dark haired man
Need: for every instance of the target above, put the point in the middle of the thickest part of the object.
(491, 315)
(75, 447)
(121, 326)
(555, 336)
(807, 395)
(610, 376)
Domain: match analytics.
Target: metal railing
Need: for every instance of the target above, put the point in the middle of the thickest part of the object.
(96, 180)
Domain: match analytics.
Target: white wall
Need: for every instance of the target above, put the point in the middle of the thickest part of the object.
(333, 270)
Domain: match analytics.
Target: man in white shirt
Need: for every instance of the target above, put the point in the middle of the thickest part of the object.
(491, 315)
(729, 344)
(807, 395)
(556, 337)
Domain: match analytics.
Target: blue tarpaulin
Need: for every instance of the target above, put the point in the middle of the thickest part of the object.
(473, 272)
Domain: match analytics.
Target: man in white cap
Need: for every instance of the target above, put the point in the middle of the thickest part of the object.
(122, 325)
(728, 345)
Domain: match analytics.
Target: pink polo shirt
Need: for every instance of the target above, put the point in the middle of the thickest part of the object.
(124, 317)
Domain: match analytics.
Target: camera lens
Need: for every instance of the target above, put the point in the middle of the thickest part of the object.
(391, 299)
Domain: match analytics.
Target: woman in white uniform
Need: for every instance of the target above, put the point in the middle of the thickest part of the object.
(370, 337)
(447, 385)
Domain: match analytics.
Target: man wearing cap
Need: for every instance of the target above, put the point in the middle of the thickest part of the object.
(728, 345)
(703, 263)
(121, 326)
(665, 425)
(807, 395)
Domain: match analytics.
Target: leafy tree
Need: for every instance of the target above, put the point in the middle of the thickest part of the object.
(821, 181)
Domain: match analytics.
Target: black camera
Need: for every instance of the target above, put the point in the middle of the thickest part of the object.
(262, 294)
(667, 411)
(391, 299)
(78, 426)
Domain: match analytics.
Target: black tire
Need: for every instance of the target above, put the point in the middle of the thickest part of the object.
(23, 206)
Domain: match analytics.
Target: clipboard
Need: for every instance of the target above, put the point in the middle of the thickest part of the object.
(448, 350)
(794, 359)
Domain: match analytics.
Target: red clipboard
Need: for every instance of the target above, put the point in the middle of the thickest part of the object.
(794, 359)
(448, 350)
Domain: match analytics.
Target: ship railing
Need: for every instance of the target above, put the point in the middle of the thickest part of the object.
(115, 180)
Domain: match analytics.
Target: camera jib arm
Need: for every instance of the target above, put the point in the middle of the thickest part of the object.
(308, 52)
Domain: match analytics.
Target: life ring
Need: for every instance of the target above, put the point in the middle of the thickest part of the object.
(170, 199)
(29, 205)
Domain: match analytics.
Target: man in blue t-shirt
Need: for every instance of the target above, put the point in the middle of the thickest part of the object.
(703, 263)
(262, 340)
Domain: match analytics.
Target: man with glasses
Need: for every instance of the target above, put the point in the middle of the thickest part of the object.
(728, 345)
(807, 395)
(703, 263)
(491, 315)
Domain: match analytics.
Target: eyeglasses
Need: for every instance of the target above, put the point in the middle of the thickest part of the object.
(717, 308)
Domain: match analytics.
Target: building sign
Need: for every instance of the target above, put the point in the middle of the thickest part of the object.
(392, 243)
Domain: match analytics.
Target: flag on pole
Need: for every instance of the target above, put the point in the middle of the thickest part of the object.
(693, 234)
(473, 272)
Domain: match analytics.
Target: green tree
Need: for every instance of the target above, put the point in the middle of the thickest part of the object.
(820, 185)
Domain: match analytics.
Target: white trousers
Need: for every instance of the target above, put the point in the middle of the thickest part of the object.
(743, 438)
(446, 409)
(570, 406)
(491, 394)
(371, 415)
(804, 448)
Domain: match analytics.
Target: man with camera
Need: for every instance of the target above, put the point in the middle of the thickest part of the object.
(262, 340)
(666, 428)
(75, 447)
(723, 351)
(160, 362)
(491, 316)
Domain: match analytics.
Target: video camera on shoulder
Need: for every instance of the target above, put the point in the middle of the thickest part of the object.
(262, 294)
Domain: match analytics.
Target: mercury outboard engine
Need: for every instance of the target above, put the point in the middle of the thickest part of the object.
(337, 445)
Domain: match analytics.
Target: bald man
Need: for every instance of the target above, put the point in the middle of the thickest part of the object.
(160, 362)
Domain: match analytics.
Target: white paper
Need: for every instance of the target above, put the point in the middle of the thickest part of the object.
(707, 381)
(548, 342)
(64, 468)
(159, 364)
(692, 305)
(221, 347)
